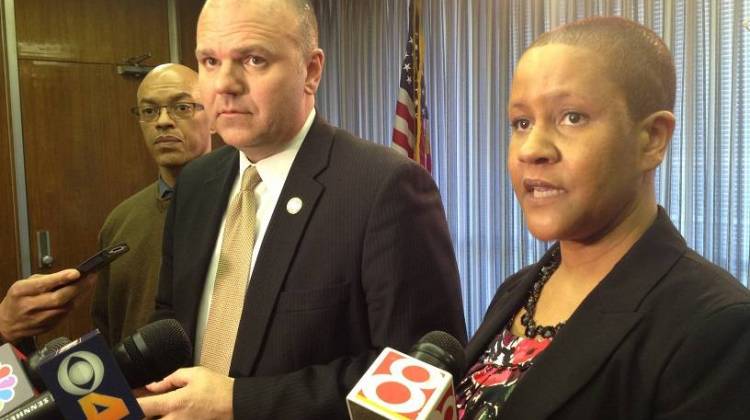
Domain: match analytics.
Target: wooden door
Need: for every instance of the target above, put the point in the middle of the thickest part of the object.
(83, 151)
(9, 259)
(188, 11)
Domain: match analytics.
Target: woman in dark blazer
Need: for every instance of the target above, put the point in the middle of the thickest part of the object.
(620, 319)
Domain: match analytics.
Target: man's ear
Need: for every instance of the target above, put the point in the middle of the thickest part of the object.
(655, 134)
(315, 63)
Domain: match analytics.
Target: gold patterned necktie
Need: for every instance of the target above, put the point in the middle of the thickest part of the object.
(228, 296)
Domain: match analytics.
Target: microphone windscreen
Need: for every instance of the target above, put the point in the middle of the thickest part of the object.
(56, 344)
(443, 351)
(169, 336)
(153, 352)
(52, 347)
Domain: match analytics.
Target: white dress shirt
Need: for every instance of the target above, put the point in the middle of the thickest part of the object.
(273, 171)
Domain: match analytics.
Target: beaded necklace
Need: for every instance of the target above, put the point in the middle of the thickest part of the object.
(527, 319)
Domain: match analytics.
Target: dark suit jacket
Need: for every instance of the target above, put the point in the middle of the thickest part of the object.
(666, 335)
(367, 263)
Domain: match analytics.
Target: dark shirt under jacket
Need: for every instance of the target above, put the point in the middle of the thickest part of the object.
(665, 335)
(366, 263)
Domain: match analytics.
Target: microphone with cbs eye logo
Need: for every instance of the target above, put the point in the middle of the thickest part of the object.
(154, 351)
(80, 373)
(86, 383)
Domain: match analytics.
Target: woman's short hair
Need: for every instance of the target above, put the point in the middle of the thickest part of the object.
(637, 59)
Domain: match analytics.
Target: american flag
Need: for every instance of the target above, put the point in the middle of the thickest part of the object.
(410, 126)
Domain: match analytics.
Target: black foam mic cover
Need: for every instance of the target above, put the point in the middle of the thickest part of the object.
(153, 352)
(443, 351)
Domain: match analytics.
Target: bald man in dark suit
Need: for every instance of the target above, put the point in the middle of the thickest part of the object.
(352, 251)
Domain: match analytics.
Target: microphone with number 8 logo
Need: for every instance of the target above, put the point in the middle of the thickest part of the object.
(416, 386)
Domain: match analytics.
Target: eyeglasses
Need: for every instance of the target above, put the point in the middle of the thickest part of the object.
(177, 110)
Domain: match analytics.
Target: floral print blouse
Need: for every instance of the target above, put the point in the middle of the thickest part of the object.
(488, 384)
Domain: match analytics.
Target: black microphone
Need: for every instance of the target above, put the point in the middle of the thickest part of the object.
(153, 352)
(414, 385)
(139, 356)
(443, 351)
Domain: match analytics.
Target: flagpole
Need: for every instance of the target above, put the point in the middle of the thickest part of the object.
(418, 108)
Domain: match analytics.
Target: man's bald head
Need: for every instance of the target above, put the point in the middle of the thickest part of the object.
(259, 71)
(172, 74)
(300, 10)
(637, 59)
(307, 24)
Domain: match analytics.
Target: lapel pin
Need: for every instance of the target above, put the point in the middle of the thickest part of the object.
(294, 205)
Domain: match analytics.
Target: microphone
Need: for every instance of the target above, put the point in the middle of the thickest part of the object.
(414, 386)
(85, 382)
(32, 366)
(152, 353)
(15, 385)
(443, 351)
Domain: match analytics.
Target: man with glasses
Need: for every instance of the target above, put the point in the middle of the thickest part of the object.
(176, 131)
